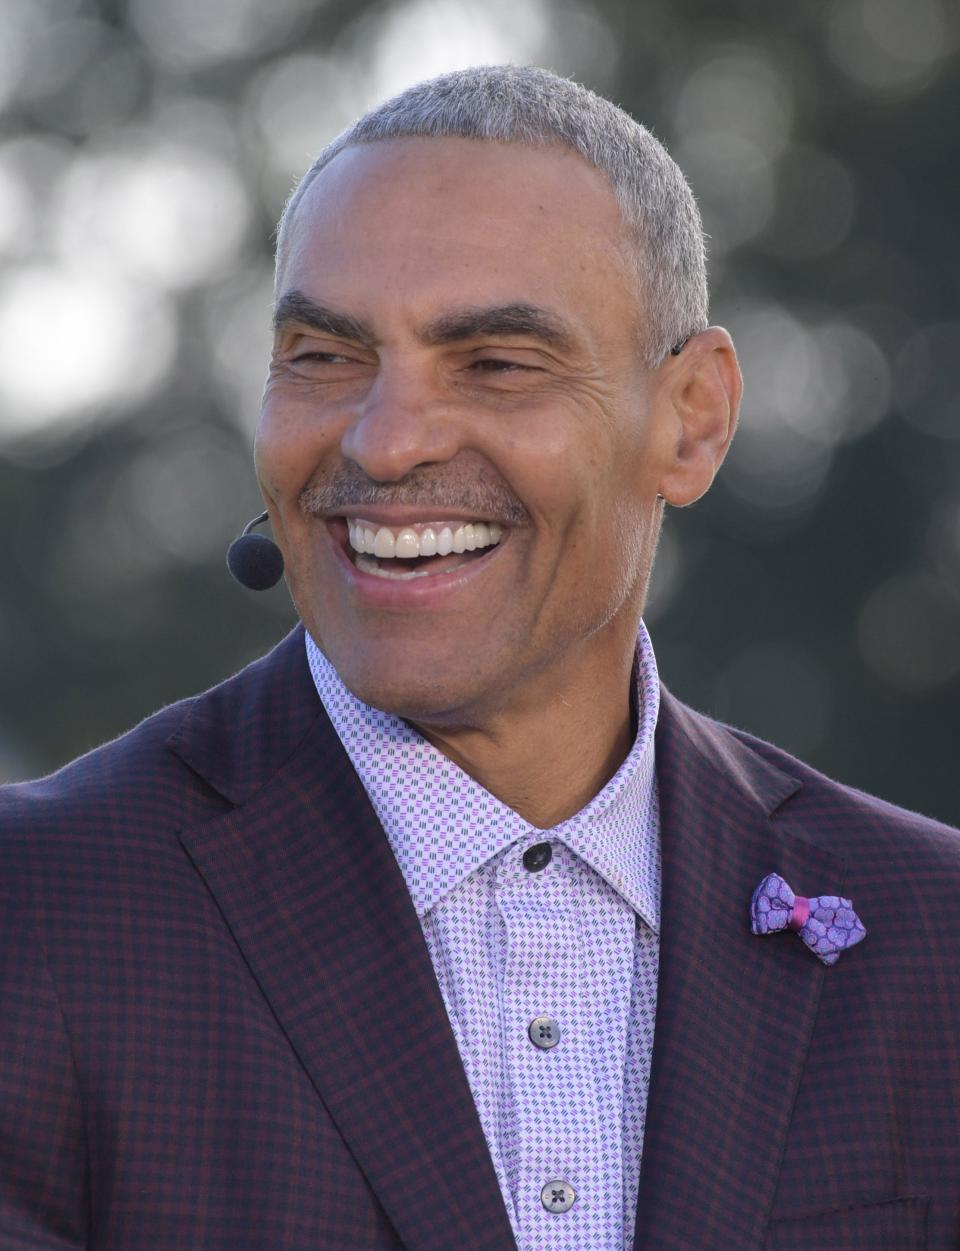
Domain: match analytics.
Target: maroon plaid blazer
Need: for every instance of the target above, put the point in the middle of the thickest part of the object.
(220, 1026)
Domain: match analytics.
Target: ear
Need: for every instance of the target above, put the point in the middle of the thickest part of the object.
(701, 386)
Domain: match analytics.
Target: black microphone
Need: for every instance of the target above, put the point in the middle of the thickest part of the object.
(254, 560)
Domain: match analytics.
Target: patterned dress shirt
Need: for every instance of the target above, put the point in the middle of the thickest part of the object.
(545, 946)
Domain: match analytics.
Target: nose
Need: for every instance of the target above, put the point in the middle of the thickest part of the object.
(404, 421)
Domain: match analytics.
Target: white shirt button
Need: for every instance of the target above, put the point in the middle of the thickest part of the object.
(558, 1196)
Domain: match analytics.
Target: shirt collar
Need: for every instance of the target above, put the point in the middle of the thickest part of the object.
(442, 825)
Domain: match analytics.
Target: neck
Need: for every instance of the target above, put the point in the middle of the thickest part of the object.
(547, 759)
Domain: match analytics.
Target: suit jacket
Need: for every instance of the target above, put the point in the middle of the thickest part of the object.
(220, 1026)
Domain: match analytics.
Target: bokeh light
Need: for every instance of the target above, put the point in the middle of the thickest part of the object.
(169, 214)
(15, 206)
(736, 187)
(237, 321)
(185, 34)
(23, 24)
(737, 90)
(72, 343)
(294, 106)
(887, 47)
(734, 117)
(407, 42)
(810, 388)
(32, 166)
(66, 49)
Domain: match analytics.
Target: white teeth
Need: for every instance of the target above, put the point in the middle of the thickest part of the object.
(366, 565)
(408, 543)
(384, 545)
(428, 543)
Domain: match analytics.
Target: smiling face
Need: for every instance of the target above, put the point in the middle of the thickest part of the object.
(457, 362)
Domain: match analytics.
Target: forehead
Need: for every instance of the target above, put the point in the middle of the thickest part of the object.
(499, 221)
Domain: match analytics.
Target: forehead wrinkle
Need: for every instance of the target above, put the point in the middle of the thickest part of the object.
(294, 306)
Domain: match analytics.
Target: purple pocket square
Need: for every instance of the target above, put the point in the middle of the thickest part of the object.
(826, 923)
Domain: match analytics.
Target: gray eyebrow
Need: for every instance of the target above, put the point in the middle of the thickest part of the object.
(501, 320)
(294, 306)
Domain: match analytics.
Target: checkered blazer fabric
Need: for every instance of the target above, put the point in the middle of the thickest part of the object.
(220, 1027)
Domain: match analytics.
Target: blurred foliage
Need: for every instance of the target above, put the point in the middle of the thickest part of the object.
(146, 149)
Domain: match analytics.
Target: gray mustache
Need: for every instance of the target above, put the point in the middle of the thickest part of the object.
(480, 494)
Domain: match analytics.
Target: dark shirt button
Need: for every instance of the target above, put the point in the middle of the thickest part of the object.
(537, 857)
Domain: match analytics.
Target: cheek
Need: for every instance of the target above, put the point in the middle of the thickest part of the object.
(287, 448)
(552, 470)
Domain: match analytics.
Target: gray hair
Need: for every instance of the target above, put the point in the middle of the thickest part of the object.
(525, 104)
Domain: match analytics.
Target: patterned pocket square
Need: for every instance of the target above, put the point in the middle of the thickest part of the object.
(826, 923)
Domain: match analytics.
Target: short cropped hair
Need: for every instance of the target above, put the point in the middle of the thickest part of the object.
(526, 104)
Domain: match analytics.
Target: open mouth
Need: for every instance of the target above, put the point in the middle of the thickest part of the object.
(421, 549)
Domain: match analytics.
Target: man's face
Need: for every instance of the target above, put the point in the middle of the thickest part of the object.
(458, 345)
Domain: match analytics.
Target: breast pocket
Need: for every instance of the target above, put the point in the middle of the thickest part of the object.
(895, 1225)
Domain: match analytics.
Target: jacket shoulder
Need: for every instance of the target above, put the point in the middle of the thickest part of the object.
(841, 818)
(163, 773)
(825, 799)
(97, 782)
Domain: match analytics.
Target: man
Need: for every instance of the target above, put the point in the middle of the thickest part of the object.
(432, 928)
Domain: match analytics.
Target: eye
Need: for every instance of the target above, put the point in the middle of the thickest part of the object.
(320, 365)
(323, 358)
(494, 365)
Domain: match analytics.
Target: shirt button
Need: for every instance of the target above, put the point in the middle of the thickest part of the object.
(558, 1196)
(544, 1032)
(537, 857)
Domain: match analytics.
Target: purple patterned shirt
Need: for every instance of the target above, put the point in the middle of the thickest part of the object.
(547, 963)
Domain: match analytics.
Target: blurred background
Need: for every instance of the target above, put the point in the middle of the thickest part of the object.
(146, 149)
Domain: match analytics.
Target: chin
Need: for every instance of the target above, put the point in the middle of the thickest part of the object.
(422, 675)
(409, 687)
(426, 701)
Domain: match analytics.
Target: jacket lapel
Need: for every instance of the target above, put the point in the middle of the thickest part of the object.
(735, 1012)
(310, 889)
